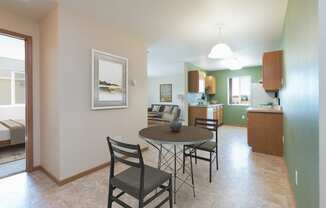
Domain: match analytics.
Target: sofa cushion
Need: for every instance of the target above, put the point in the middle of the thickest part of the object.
(168, 116)
(168, 108)
(156, 108)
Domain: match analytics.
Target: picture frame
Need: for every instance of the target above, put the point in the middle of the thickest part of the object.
(109, 81)
(166, 93)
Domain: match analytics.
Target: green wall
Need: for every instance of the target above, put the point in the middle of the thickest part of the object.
(233, 114)
(299, 98)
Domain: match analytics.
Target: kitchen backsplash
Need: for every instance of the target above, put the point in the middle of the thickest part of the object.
(194, 98)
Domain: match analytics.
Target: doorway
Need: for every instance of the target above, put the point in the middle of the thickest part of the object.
(16, 120)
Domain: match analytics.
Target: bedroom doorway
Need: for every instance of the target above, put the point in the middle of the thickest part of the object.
(15, 100)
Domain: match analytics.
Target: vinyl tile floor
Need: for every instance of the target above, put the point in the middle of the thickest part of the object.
(244, 180)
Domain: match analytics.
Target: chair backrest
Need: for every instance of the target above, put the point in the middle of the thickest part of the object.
(209, 124)
(129, 154)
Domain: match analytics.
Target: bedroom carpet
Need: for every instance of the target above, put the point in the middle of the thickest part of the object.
(12, 153)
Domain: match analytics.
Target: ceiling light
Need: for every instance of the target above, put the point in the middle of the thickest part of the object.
(234, 64)
(220, 50)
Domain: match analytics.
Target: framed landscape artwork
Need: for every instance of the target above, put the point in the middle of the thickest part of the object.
(109, 81)
(166, 93)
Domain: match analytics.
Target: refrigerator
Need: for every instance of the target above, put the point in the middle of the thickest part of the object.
(259, 97)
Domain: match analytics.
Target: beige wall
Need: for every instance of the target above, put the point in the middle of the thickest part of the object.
(26, 26)
(49, 93)
(73, 136)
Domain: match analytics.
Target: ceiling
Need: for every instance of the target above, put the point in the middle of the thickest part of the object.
(179, 31)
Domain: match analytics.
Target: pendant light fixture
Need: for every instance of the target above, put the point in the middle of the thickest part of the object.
(233, 63)
(220, 50)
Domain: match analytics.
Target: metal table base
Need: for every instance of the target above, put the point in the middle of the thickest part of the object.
(170, 159)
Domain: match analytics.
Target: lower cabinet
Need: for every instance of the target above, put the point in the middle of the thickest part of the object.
(218, 114)
(210, 112)
(265, 132)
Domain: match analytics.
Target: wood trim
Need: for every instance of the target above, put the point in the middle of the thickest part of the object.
(29, 106)
(78, 175)
(52, 177)
(82, 174)
(293, 198)
(28, 94)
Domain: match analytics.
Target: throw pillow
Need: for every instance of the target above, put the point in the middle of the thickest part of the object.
(167, 109)
(156, 108)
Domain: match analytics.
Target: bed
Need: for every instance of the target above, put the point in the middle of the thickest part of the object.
(12, 132)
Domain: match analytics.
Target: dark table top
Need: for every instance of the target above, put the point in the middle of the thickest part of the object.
(187, 135)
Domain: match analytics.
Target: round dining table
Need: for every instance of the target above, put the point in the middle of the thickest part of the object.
(170, 146)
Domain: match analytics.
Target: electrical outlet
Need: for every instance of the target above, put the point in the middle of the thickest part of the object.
(243, 117)
(296, 177)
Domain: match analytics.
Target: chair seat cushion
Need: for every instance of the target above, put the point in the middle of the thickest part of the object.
(209, 146)
(129, 180)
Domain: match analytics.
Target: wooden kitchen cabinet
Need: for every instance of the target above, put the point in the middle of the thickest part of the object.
(218, 114)
(196, 82)
(196, 112)
(265, 132)
(209, 112)
(210, 85)
(272, 70)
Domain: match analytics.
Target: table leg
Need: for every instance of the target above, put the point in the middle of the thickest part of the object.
(192, 175)
(171, 159)
(159, 158)
(175, 173)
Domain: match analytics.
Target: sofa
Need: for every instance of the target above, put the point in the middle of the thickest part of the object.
(162, 114)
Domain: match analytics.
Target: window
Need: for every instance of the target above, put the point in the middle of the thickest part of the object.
(12, 88)
(239, 90)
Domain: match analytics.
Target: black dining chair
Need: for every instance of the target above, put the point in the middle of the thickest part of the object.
(209, 146)
(138, 180)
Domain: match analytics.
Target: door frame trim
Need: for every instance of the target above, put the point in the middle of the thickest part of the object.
(28, 94)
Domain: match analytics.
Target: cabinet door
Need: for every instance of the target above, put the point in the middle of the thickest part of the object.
(196, 112)
(210, 84)
(221, 114)
(272, 70)
(193, 81)
(265, 132)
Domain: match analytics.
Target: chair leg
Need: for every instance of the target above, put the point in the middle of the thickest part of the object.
(192, 176)
(195, 156)
(110, 196)
(216, 158)
(183, 160)
(210, 167)
(170, 192)
(141, 203)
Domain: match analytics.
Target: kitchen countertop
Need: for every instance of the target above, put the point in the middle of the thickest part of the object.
(207, 106)
(265, 109)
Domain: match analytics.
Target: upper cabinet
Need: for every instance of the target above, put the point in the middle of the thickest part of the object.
(210, 85)
(272, 70)
(196, 81)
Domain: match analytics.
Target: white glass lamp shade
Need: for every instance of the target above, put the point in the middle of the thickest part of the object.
(234, 64)
(220, 51)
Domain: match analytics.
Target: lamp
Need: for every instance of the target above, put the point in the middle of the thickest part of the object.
(220, 50)
(233, 64)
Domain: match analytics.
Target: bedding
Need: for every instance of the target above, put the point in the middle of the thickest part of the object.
(4, 133)
(13, 130)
